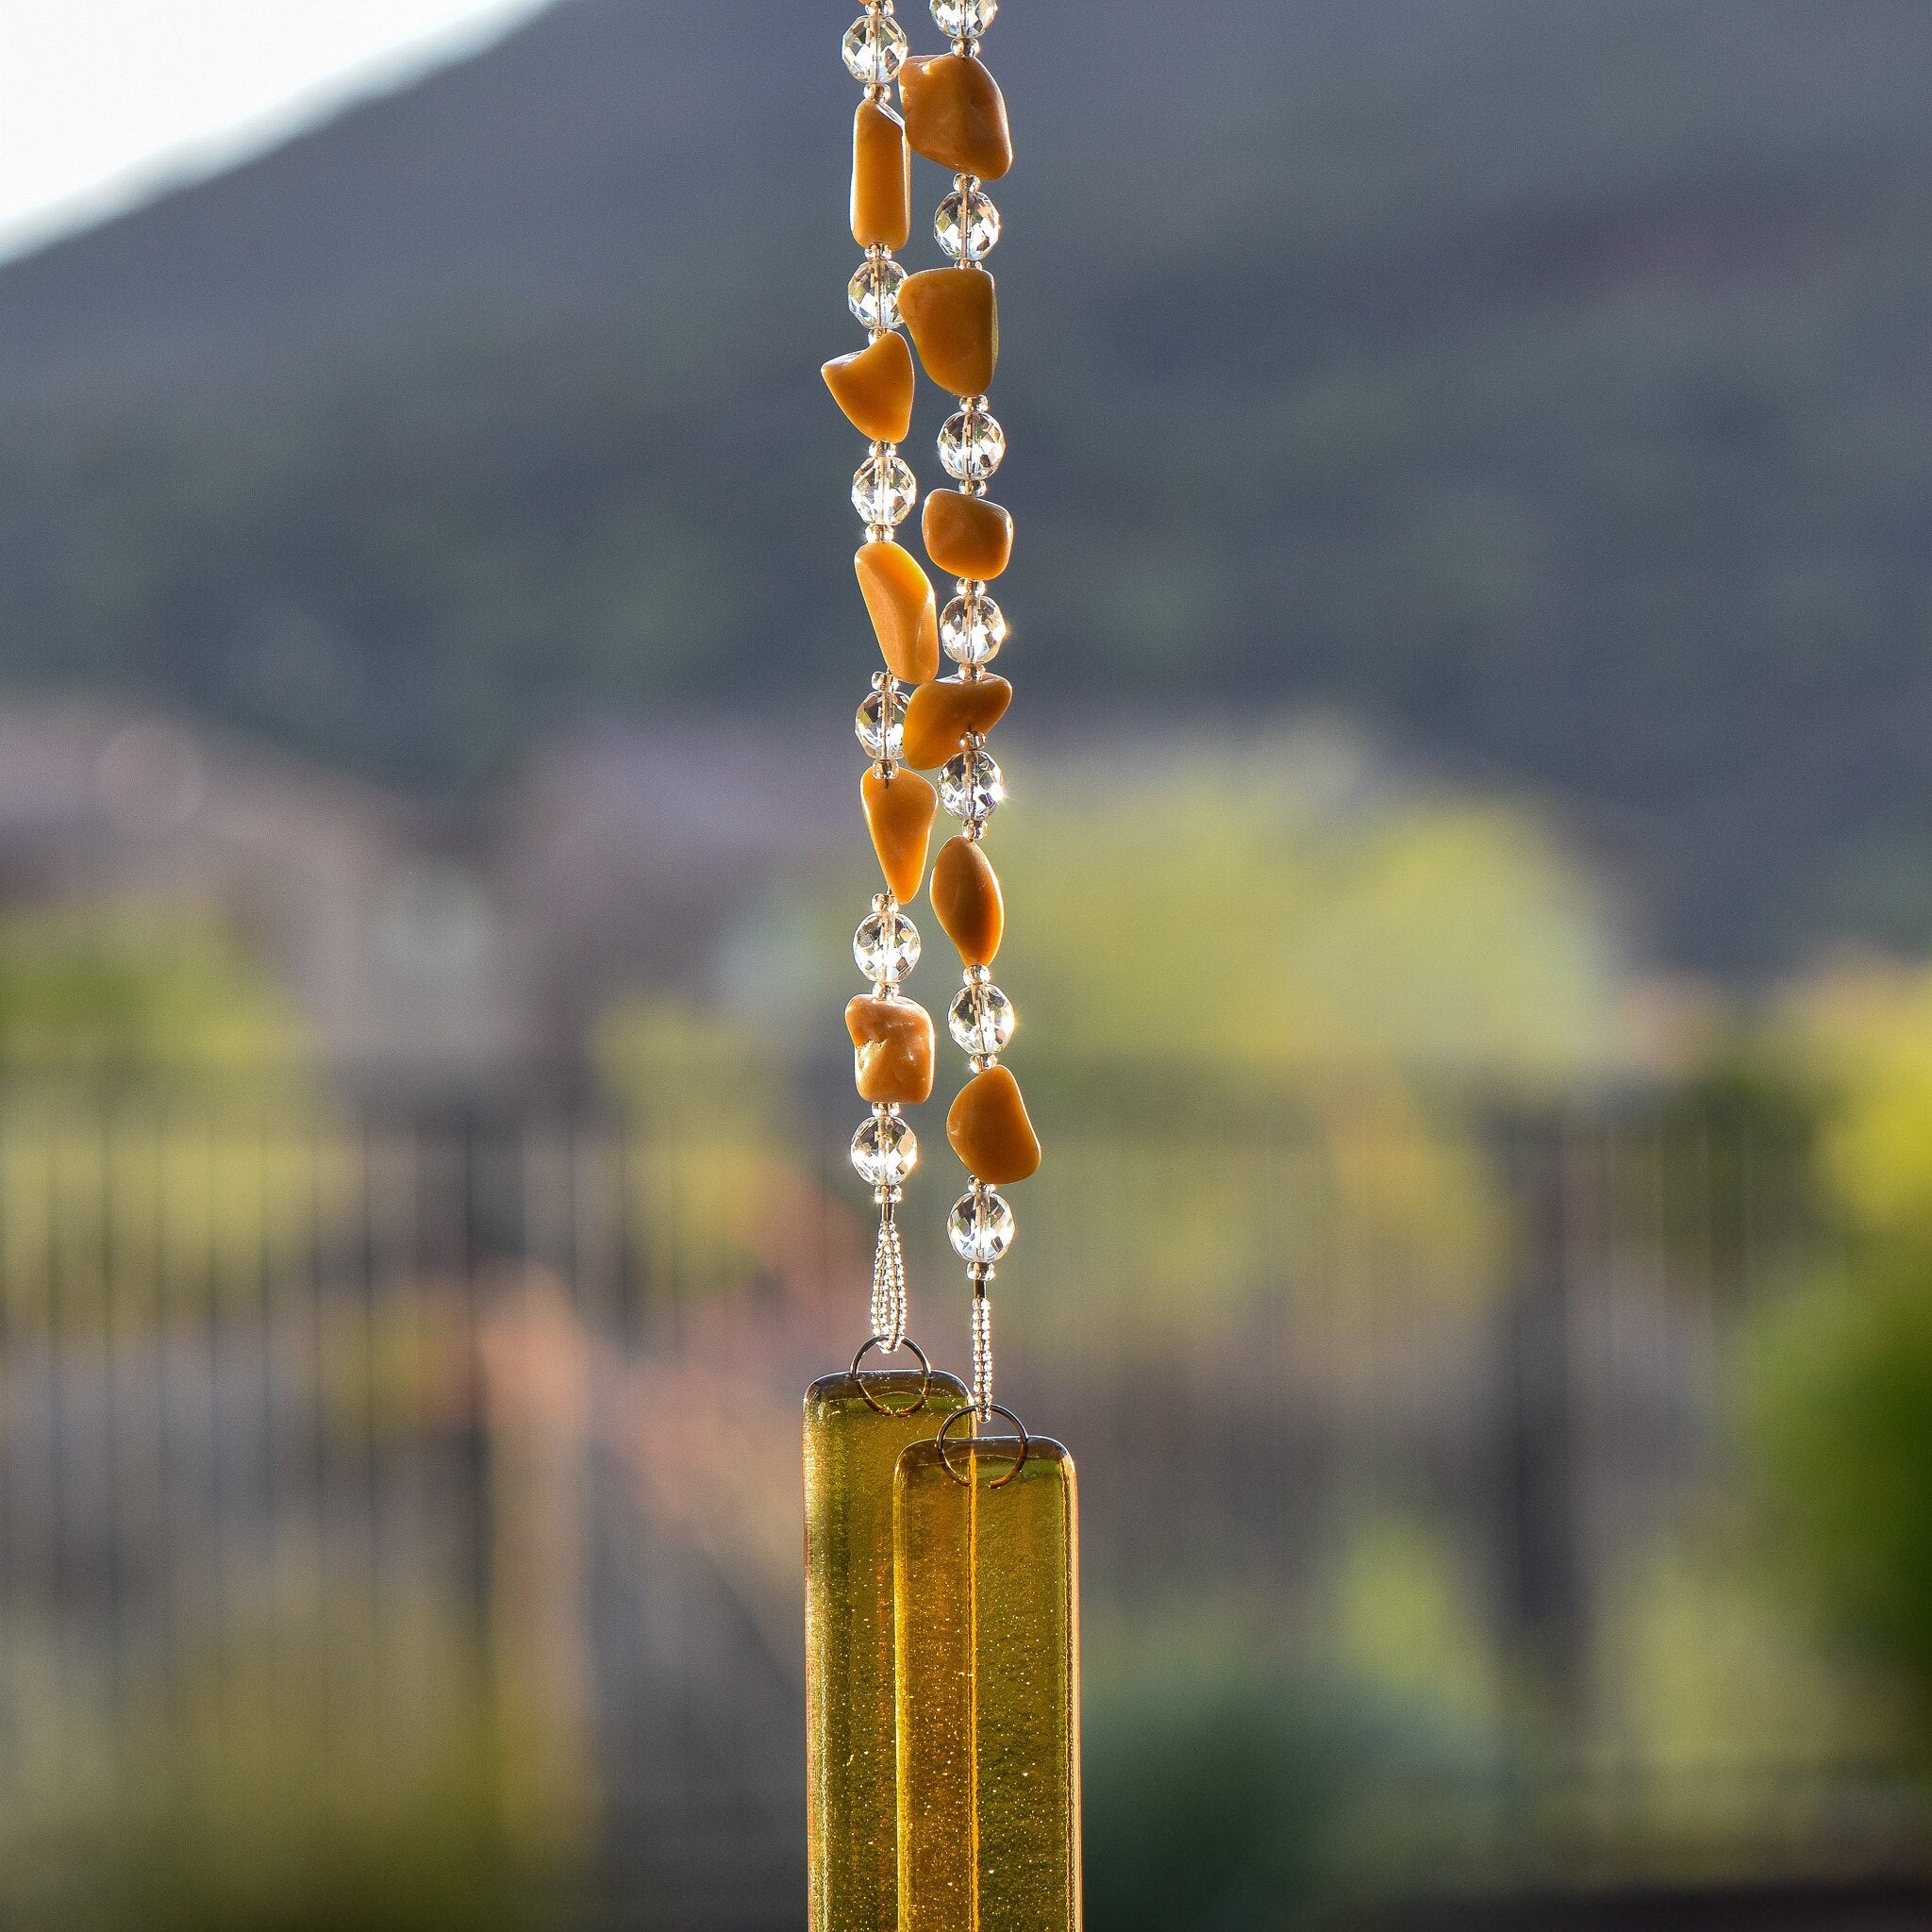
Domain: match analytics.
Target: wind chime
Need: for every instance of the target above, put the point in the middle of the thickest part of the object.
(941, 1625)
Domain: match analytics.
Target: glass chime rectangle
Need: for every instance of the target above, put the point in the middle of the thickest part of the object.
(851, 1451)
(989, 1689)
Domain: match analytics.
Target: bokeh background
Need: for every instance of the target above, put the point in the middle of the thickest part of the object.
(1470, 866)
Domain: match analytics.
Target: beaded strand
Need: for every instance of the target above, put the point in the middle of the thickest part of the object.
(891, 1036)
(954, 114)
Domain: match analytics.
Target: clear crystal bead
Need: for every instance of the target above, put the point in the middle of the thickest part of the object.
(972, 786)
(875, 49)
(873, 293)
(964, 20)
(980, 1021)
(887, 741)
(980, 1226)
(884, 491)
(973, 629)
(972, 445)
(885, 1150)
(886, 947)
(967, 226)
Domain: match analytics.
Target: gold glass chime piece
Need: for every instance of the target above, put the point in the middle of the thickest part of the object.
(852, 1447)
(987, 1684)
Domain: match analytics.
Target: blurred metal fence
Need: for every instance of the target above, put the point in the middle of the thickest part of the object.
(320, 1419)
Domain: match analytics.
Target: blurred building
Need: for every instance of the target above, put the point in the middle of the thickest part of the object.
(429, 947)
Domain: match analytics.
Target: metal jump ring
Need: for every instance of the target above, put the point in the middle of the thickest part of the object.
(991, 1408)
(878, 1341)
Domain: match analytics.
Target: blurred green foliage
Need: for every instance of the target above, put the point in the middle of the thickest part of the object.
(1229, 1785)
(285, 1791)
(139, 991)
(1839, 1382)
(162, 1132)
(714, 1190)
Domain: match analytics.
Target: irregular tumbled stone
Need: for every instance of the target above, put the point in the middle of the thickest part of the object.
(956, 115)
(989, 1131)
(874, 386)
(881, 178)
(954, 317)
(891, 1049)
(899, 812)
(899, 596)
(967, 536)
(939, 714)
(966, 896)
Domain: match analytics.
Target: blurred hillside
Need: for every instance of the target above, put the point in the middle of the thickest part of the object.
(1545, 383)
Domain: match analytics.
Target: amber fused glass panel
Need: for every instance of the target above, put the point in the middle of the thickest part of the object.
(989, 1689)
(850, 1453)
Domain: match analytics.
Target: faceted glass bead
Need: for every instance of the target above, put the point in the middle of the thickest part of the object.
(886, 947)
(980, 1020)
(884, 1151)
(875, 48)
(967, 226)
(872, 295)
(880, 740)
(972, 786)
(973, 629)
(972, 445)
(980, 1226)
(964, 20)
(884, 492)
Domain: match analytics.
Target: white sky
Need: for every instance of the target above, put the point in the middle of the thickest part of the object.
(102, 101)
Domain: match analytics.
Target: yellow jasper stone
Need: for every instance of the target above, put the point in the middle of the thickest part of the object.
(899, 812)
(956, 115)
(954, 317)
(874, 386)
(967, 536)
(939, 714)
(899, 596)
(966, 895)
(989, 1130)
(881, 178)
(891, 1049)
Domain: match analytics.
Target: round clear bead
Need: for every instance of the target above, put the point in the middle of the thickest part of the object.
(884, 1151)
(980, 1020)
(980, 1226)
(964, 20)
(886, 947)
(884, 491)
(967, 226)
(875, 49)
(877, 739)
(873, 293)
(972, 445)
(973, 629)
(972, 786)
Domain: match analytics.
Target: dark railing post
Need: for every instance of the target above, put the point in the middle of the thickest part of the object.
(1543, 1594)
